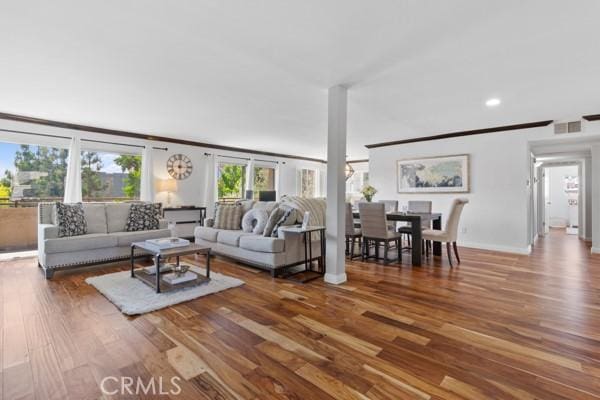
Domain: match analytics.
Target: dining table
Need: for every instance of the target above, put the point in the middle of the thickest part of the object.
(416, 221)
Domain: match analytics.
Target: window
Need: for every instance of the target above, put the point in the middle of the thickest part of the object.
(357, 181)
(308, 183)
(29, 173)
(264, 179)
(231, 182)
(110, 176)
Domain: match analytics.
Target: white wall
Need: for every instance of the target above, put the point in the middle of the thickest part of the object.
(559, 211)
(496, 217)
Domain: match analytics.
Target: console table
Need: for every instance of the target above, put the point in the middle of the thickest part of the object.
(184, 219)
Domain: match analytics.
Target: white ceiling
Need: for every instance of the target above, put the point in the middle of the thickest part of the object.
(255, 73)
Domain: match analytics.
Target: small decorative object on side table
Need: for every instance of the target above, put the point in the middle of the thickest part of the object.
(308, 256)
(180, 277)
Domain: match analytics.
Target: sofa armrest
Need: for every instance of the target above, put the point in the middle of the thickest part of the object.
(47, 231)
(209, 222)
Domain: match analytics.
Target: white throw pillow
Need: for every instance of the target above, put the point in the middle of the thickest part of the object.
(255, 221)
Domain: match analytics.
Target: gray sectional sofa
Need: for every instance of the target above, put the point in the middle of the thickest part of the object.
(271, 253)
(106, 239)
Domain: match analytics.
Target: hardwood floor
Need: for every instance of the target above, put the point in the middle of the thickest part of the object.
(497, 326)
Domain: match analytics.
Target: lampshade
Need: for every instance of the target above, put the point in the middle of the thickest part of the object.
(166, 185)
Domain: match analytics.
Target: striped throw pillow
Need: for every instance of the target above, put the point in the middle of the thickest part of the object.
(228, 216)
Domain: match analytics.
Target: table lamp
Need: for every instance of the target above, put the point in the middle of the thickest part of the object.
(169, 186)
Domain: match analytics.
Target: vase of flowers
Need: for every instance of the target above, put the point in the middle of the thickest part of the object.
(368, 192)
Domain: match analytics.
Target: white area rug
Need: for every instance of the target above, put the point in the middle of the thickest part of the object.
(133, 296)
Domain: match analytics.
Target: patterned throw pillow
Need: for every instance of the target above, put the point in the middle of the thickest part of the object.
(70, 219)
(289, 217)
(143, 217)
(228, 216)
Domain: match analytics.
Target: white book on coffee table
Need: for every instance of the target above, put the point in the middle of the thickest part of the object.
(167, 243)
(173, 279)
(163, 268)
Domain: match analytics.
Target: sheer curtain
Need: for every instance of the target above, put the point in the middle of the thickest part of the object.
(147, 178)
(209, 195)
(73, 179)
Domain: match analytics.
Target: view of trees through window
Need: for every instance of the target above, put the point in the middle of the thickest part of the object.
(308, 183)
(264, 179)
(39, 172)
(231, 181)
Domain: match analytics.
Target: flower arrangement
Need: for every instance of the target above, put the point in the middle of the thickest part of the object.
(368, 192)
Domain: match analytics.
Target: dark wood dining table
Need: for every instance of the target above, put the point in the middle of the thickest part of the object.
(416, 221)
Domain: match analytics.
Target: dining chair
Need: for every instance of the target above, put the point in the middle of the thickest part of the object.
(417, 206)
(390, 206)
(352, 233)
(450, 233)
(375, 230)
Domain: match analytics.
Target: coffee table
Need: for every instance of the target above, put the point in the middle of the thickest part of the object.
(153, 280)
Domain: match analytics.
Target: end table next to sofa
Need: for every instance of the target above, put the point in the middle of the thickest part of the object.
(308, 253)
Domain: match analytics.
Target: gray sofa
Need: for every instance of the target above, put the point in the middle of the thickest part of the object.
(106, 240)
(270, 253)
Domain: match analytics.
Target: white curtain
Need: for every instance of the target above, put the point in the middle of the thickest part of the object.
(249, 176)
(209, 194)
(73, 179)
(147, 178)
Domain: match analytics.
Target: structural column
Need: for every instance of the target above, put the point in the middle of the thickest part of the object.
(596, 198)
(336, 185)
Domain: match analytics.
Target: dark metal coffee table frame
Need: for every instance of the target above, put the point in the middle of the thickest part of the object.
(153, 280)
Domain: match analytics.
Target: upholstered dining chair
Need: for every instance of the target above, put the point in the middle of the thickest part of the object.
(390, 206)
(417, 206)
(450, 233)
(352, 233)
(374, 226)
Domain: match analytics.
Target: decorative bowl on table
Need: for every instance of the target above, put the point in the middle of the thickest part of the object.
(181, 269)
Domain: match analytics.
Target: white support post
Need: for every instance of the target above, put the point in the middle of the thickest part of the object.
(336, 185)
(596, 198)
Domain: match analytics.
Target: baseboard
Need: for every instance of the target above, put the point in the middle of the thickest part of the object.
(595, 250)
(504, 249)
(335, 279)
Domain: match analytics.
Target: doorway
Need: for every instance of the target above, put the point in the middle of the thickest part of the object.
(562, 198)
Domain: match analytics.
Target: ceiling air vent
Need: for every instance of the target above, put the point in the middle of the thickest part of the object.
(567, 127)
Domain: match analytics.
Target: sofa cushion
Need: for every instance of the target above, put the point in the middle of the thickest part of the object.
(70, 219)
(80, 243)
(274, 217)
(126, 238)
(229, 216)
(143, 217)
(116, 216)
(289, 217)
(268, 206)
(231, 238)
(262, 244)
(206, 233)
(95, 216)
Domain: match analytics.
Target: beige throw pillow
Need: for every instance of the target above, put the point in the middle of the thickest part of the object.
(228, 216)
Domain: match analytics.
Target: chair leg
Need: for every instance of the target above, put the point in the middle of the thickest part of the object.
(427, 248)
(456, 252)
(449, 253)
(408, 238)
(386, 247)
(363, 249)
(376, 249)
(399, 247)
(347, 246)
(352, 248)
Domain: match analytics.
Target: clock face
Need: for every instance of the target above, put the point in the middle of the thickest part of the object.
(179, 166)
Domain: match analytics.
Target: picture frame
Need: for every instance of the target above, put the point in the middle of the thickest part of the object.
(440, 174)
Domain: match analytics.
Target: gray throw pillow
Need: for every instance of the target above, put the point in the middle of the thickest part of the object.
(70, 219)
(274, 217)
(228, 216)
(254, 221)
(143, 217)
(289, 217)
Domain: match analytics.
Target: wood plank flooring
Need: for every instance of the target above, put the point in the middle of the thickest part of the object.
(498, 326)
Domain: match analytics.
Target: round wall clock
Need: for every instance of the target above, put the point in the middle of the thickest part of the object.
(179, 166)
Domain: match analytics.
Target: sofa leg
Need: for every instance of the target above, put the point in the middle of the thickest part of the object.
(48, 273)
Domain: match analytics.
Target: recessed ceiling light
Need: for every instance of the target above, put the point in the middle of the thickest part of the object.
(493, 102)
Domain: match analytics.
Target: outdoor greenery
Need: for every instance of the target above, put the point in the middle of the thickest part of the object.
(50, 160)
(231, 181)
(264, 179)
(6, 184)
(133, 166)
(91, 181)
